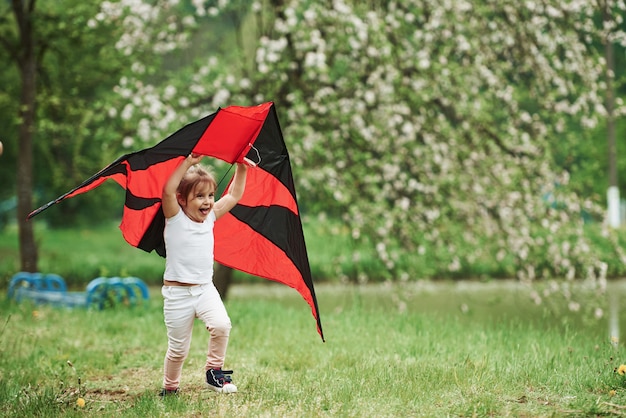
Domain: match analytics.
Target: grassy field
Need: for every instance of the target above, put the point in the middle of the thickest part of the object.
(422, 350)
(82, 254)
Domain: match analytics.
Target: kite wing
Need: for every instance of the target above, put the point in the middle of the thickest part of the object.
(267, 220)
(262, 235)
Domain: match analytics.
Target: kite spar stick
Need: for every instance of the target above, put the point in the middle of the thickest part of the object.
(224, 176)
(44, 207)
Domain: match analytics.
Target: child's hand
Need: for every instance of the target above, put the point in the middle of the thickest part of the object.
(249, 162)
(194, 158)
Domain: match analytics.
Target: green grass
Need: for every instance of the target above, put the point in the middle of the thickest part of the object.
(82, 254)
(417, 350)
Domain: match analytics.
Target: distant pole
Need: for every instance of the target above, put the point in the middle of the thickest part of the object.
(614, 319)
(613, 199)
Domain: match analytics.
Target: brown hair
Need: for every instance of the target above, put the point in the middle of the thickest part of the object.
(195, 176)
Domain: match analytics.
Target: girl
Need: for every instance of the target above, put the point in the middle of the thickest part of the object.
(190, 211)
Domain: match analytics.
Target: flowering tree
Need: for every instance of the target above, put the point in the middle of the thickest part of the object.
(425, 125)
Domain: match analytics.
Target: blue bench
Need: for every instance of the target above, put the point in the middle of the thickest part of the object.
(100, 293)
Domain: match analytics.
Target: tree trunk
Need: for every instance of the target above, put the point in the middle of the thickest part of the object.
(222, 278)
(28, 71)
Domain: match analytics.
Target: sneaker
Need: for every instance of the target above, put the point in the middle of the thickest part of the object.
(168, 392)
(220, 381)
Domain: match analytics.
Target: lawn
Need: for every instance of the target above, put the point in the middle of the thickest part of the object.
(420, 349)
(82, 254)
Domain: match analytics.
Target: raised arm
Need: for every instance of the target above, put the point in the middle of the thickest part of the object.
(169, 201)
(235, 192)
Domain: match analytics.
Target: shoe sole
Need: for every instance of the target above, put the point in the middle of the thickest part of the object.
(228, 388)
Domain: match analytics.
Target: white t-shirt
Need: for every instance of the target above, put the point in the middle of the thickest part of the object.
(189, 249)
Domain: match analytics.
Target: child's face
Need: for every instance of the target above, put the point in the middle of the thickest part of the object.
(199, 202)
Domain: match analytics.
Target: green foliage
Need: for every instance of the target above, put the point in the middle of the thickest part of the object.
(584, 154)
(416, 350)
(78, 68)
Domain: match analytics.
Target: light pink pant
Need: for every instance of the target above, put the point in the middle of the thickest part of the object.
(182, 304)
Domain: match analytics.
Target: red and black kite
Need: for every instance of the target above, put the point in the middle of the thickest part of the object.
(262, 235)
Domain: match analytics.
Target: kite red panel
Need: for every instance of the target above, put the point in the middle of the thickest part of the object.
(264, 190)
(232, 132)
(241, 238)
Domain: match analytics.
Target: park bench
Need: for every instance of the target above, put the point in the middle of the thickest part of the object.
(100, 293)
